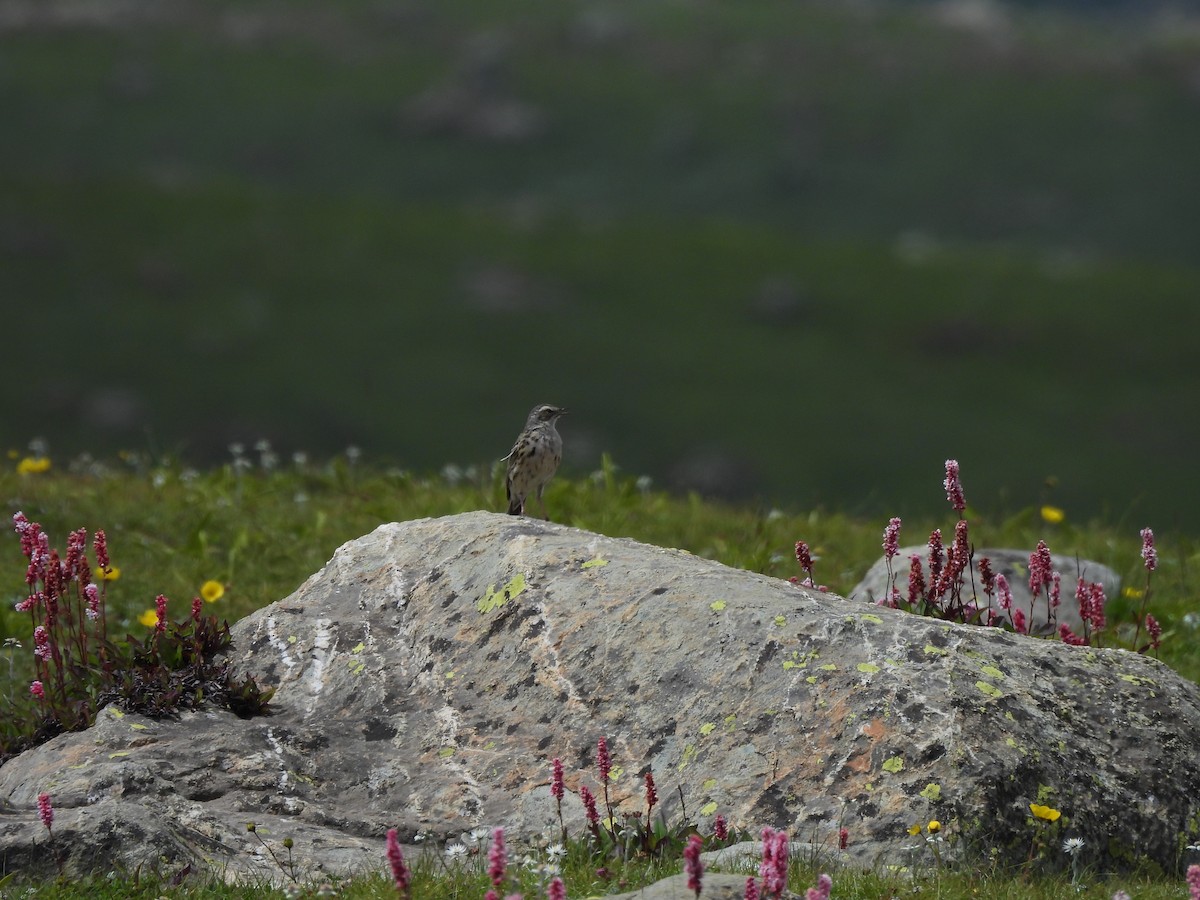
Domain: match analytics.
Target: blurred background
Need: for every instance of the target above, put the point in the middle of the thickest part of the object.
(795, 253)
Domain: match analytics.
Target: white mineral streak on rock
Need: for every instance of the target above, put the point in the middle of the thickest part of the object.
(318, 656)
(277, 749)
(280, 645)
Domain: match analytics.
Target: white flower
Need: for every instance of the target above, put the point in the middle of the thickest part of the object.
(455, 851)
(556, 851)
(1071, 846)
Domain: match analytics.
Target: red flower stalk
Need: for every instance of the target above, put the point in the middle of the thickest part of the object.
(589, 805)
(41, 643)
(843, 838)
(1018, 619)
(91, 594)
(1193, 882)
(197, 605)
(1004, 595)
(773, 867)
(45, 810)
(395, 857)
(916, 580)
(1069, 637)
(651, 794)
(936, 556)
(751, 888)
(1040, 567)
(556, 780)
(692, 864)
(497, 858)
(38, 690)
(953, 486)
(804, 556)
(1149, 554)
(1055, 590)
(160, 611)
(603, 761)
(720, 828)
(556, 889)
(100, 545)
(891, 538)
(1154, 630)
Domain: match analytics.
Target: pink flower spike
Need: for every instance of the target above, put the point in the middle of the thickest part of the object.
(803, 555)
(556, 779)
(692, 864)
(41, 643)
(1149, 554)
(751, 889)
(497, 858)
(395, 857)
(197, 605)
(843, 838)
(91, 594)
(822, 890)
(1040, 567)
(160, 610)
(1193, 882)
(1055, 590)
(891, 538)
(1018, 620)
(603, 761)
(1154, 630)
(1004, 595)
(720, 828)
(651, 793)
(556, 890)
(100, 545)
(37, 690)
(916, 580)
(45, 810)
(589, 805)
(953, 486)
(1067, 636)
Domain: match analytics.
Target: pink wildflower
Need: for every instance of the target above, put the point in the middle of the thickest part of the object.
(556, 889)
(1018, 620)
(720, 828)
(28, 603)
(751, 889)
(891, 538)
(45, 810)
(589, 805)
(37, 690)
(803, 556)
(1149, 554)
(773, 868)
(1154, 630)
(1193, 882)
(936, 555)
(1067, 636)
(1096, 605)
(843, 838)
(160, 610)
(41, 643)
(916, 580)
(100, 545)
(1003, 592)
(603, 761)
(556, 779)
(395, 857)
(987, 576)
(497, 858)
(953, 486)
(692, 864)
(1055, 590)
(821, 891)
(651, 793)
(1040, 567)
(91, 594)
(197, 605)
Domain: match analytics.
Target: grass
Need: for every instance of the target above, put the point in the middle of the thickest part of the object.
(260, 526)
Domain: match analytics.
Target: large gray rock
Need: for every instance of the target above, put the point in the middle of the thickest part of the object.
(430, 671)
(1014, 566)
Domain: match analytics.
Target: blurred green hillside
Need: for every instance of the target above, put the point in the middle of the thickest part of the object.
(788, 250)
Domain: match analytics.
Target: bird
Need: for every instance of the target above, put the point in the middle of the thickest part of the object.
(534, 458)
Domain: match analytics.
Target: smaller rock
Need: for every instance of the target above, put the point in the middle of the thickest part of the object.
(1014, 566)
(713, 886)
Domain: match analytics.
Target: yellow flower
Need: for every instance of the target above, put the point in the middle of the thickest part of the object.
(149, 618)
(934, 826)
(33, 465)
(1052, 514)
(112, 573)
(1044, 812)
(914, 829)
(212, 591)
(1132, 593)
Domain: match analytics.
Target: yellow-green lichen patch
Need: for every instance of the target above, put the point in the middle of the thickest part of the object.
(780, 621)
(137, 726)
(708, 728)
(446, 752)
(991, 672)
(828, 667)
(990, 689)
(1011, 742)
(710, 784)
(931, 650)
(872, 618)
(867, 668)
(494, 599)
(893, 764)
(708, 808)
(932, 792)
(689, 756)
(595, 563)
(730, 723)
(1137, 679)
(358, 648)
(717, 605)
